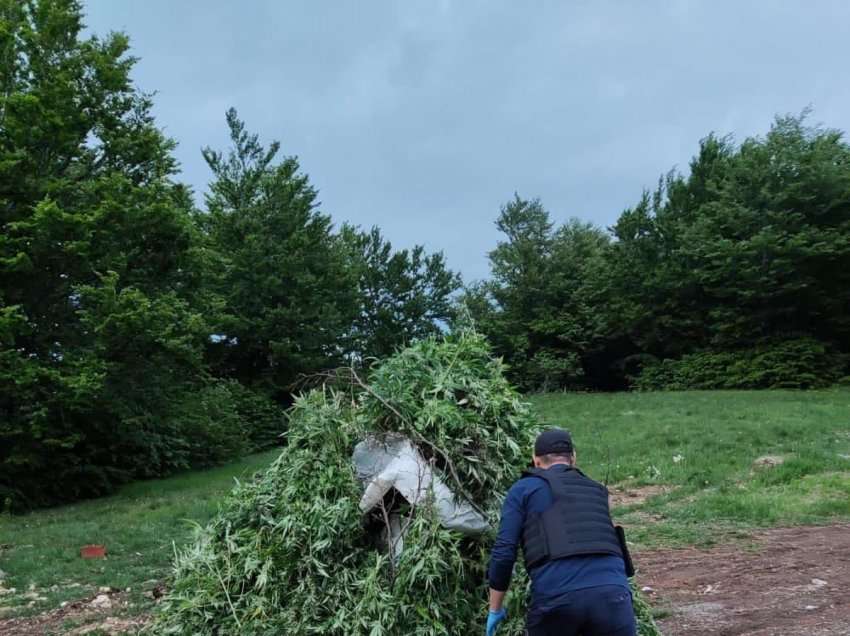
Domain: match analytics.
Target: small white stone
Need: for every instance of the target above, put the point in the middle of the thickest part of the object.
(646, 588)
(101, 601)
(819, 582)
(63, 604)
(104, 589)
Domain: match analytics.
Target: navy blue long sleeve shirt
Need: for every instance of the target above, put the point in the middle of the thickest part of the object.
(554, 578)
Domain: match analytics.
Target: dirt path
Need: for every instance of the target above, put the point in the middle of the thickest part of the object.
(797, 581)
(104, 613)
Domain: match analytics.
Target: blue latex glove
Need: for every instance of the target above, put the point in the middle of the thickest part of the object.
(493, 620)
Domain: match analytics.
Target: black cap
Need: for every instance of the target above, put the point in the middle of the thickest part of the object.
(555, 441)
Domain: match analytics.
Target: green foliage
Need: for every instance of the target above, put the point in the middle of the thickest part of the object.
(289, 297)
(102, 328)
(219, 421)
(290, 551)
(287, 291)
(139, 335)
(545, 307)
(273, 542)
(748, 251)
(452, 399)
(724, 274)
(87, 210)
(643, 614)
(802, 364)
(403, 295)
(262, 420)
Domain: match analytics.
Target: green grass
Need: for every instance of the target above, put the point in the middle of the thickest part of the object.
(703, 445)
(139, 525)
(633, 439)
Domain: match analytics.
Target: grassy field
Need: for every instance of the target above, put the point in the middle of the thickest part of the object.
(703, 446)
(40, 552)
(698, 448)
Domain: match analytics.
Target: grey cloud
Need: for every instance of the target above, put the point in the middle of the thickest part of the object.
(423, 117)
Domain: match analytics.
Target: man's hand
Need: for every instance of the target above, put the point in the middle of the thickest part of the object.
(493, 620)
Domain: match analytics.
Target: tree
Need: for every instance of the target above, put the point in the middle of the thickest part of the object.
(519, 270)
(748, 253)
(287, 293)
(583, 326)
(730, 276)
(544, 308)
(87, 209)
(404, 295)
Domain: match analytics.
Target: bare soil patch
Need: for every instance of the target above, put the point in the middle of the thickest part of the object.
(795, 581)
(624, 495)
(101, 613)
(768, 461)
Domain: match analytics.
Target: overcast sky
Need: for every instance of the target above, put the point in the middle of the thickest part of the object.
(424, 117)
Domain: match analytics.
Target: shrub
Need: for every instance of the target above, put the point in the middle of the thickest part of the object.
(262, 420)
(801, 364)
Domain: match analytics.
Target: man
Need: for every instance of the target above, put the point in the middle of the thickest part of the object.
(572, 551)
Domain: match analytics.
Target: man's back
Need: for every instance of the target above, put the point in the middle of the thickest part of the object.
(573, 553)
(532, 495)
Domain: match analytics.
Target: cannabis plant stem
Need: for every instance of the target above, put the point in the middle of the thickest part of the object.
(227, 596)
(390, 542)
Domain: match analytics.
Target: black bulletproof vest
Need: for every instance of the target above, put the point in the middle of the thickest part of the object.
(578, 521)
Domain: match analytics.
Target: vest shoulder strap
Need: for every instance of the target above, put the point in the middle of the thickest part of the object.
(555, 479)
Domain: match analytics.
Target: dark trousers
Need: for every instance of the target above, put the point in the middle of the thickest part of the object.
(595, 611)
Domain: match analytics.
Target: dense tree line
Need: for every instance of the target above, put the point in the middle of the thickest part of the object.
(140, 334)
(736, 275)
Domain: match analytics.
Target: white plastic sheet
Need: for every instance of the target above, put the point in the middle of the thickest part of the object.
(392, 461)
